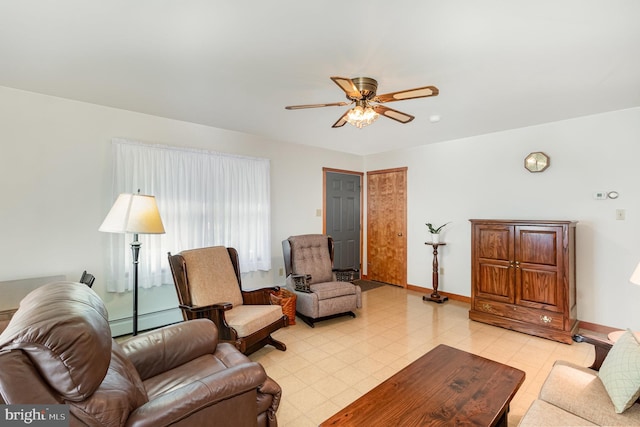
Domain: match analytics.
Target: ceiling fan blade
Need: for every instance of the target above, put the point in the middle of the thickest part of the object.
(341, 121)
(421, 92)
(392, 114)
(333, 104)
(348, 87)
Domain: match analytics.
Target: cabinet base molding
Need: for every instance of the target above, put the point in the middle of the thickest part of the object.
(525, 327)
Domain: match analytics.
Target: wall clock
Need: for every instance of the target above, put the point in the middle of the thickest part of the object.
(536, 162)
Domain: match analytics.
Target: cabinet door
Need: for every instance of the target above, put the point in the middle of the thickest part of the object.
(539, 267)
(492, 258)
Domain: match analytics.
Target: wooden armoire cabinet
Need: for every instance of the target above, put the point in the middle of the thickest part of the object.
(523, 276)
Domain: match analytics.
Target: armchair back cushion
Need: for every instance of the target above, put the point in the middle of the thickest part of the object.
(310, 255)
(68, 339)
(212, 278)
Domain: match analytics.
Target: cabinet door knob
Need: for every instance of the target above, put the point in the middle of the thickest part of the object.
(399, 234)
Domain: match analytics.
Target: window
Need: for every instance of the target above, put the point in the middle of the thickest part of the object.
(205, 199)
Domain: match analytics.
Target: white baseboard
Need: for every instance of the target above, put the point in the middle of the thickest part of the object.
(120, 327)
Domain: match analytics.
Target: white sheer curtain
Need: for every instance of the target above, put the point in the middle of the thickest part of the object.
(205, 199)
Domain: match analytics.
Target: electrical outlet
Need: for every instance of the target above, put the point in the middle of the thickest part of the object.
(318, 212)
(441, 270)
(281, 271)
(620, 214)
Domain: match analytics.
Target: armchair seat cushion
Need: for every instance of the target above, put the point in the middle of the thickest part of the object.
(212, 375)
(542, 413)
(183, 375)
(247, 319)
(329, 290)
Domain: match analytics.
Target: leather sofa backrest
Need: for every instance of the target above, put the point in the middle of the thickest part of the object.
(67, 339)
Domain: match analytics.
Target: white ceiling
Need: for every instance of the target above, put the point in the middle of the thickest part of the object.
(499, 64)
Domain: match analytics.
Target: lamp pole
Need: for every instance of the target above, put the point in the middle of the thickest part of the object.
(135, 251)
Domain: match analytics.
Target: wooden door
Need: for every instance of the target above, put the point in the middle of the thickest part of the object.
(387, 226)
(539, 267)
(493, 259)
(343, 216)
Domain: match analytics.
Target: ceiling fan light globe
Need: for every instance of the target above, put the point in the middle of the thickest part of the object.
(361, 117)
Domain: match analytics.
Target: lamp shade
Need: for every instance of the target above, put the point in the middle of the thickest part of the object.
(133, 213)
(635, 277)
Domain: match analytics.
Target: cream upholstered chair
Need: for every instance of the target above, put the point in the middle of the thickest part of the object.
(209, 286)
(311, 255)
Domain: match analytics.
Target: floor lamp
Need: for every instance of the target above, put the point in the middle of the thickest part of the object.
(136, 214)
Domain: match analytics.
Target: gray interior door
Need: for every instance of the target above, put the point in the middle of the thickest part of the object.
(342, 217)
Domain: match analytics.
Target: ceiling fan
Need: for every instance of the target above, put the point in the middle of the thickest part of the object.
(362, 92)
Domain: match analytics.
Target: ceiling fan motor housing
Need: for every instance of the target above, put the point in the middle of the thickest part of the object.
(367, 87)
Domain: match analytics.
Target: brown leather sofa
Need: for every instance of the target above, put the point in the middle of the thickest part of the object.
(58, 349)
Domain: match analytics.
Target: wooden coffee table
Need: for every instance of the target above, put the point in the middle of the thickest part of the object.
(444, 387)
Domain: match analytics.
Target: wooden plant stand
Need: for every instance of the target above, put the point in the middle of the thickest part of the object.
(435, 296)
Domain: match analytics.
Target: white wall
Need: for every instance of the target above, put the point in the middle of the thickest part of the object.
(55, 187)
(484, 177)
(55, 183)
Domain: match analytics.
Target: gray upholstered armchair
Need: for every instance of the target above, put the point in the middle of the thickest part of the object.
(309, 258)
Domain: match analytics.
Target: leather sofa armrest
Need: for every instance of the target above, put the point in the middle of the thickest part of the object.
(163, 349)
(601, 346)
(178, 404)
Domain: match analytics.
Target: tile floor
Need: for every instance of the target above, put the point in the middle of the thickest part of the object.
(327, 367)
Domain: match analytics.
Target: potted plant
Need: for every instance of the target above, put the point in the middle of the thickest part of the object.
(435, 231)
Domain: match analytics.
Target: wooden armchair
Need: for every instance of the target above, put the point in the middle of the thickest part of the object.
(208, 284)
